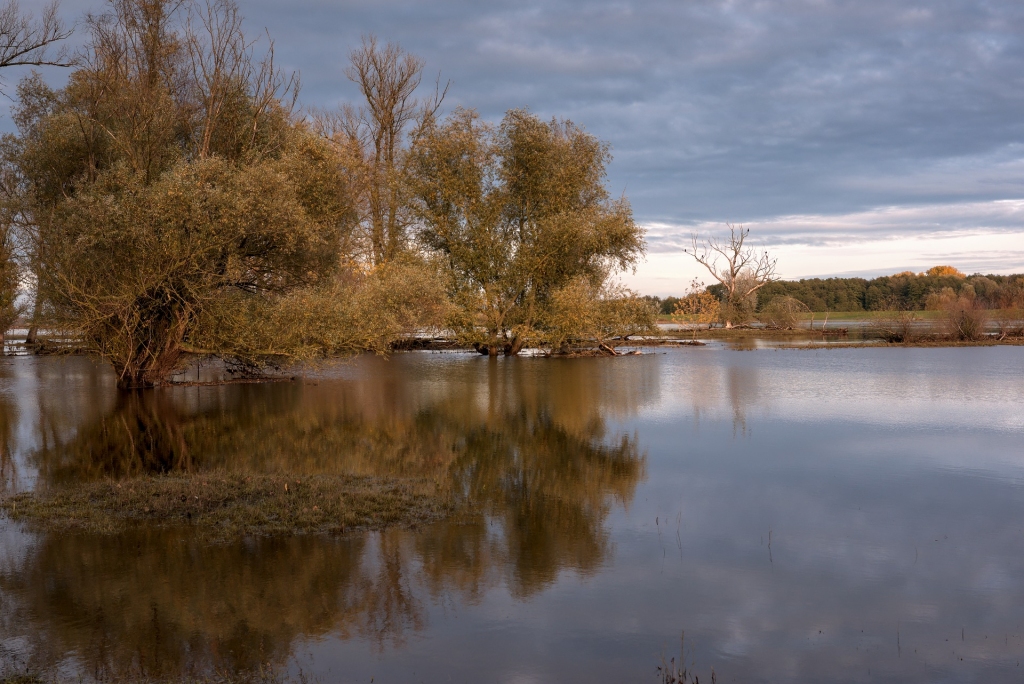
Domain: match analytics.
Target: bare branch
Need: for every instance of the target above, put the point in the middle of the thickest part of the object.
(26, 42)
(375, 135)
(739, 268)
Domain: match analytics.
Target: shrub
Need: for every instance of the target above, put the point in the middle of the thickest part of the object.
(895, 323)
(783, 313)
(1009, 322)
(965, 319)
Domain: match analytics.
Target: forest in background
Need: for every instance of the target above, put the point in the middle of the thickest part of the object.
(906, 290)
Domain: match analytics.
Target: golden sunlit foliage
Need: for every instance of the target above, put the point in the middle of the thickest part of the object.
(167, 176)
(518, 212)
(171, 204)
(698, 307)
(944, 271)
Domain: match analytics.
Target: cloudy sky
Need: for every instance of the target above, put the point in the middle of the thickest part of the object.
(852, 136)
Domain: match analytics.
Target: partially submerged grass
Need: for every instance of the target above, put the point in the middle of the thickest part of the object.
(232, 505)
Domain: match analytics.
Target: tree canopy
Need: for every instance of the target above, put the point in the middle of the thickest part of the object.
(166, 182)
(170, 202)
(519, 213)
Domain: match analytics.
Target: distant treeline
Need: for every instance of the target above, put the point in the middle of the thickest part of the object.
(904, 290)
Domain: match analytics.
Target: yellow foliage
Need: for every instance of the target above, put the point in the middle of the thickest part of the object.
(944, 271)
(697, 306)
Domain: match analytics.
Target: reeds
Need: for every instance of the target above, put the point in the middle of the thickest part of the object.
(673, 673)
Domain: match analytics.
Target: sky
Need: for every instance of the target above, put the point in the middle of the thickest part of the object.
(852, 137)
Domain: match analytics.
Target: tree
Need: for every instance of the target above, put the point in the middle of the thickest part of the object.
(517, 212)
(738, 267)
(583, 314)
(944, 271)
(783, 313)
(25, 42)
(698, 307)
(11, 273)
(168, 191)
(373, 139)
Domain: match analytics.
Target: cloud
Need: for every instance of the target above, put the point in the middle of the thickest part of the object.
(1004, 218)
(723, 110)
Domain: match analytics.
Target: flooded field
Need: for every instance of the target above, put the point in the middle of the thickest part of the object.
(804, 515)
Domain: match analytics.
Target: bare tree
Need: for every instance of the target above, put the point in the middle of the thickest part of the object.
(741, 269)
(25, 41)
(374, 137)
(225, 70)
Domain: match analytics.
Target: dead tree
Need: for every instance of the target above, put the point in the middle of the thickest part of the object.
(742, 270)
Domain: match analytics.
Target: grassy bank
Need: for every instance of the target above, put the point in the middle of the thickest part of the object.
(223, 506)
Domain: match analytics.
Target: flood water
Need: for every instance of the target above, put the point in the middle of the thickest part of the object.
(841, 515)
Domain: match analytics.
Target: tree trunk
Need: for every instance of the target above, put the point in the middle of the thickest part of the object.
(33, 329)
(513, 348)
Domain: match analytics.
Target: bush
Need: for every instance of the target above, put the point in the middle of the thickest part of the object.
(698, 307)
(965, 319)
(582, 314)
(783, 313)
(895, 323)
(1009, 322)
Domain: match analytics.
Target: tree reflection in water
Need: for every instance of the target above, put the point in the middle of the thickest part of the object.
(524, 442)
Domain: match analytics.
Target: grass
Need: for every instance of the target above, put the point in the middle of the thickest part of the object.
(226, 505)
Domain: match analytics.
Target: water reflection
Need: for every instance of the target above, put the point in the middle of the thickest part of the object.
(530, 450)
(8, 424)
(616, 502)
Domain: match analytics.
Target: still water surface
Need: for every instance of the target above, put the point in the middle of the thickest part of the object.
(846, 515)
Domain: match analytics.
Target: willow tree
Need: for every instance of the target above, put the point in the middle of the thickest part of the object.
(168, 191)
(519, 212)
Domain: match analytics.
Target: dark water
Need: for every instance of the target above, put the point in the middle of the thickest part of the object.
(804, 515)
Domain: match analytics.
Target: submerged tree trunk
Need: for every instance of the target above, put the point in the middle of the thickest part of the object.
(149, 371)
(153, 355)
(514, 347)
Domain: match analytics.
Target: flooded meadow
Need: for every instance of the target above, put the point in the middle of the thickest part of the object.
(802, 515)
